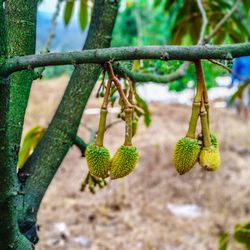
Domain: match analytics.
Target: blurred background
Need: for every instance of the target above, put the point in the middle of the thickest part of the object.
(154, 207)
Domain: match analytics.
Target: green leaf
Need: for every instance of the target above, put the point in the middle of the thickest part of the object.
(136, 65)
(144, 106)
(223, 241)
(29, 143)
(242, 234)
(83, 14)
(68, 11)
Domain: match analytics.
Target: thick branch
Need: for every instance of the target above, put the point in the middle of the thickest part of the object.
(18, 40)
(147, 77)
(60, 135)
(98, 56)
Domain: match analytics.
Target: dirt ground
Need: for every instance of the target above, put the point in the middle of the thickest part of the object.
(136, 212)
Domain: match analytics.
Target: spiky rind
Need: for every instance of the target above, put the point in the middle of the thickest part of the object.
(98, 160)
(186, 154)
(124, 161)
(209, 158)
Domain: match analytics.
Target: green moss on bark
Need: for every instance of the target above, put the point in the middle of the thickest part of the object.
(61, 133)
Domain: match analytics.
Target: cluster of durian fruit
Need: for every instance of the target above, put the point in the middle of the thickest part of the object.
(100, 163)
(202, 148)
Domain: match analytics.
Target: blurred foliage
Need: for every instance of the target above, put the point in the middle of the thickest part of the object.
(188, 20)
(84, 7)
(242, 234)
(55, 71)
(30, 141)
(239, 91)
(223, 241)
(161, 22)
(178, 22)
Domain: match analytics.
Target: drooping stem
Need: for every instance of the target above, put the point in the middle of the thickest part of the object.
(106, 95)
(200, 80)
(128, 127)
(118, 85)
(101, 128)
(197, 100)
(103, 116)
(204, 125)
(193, 120)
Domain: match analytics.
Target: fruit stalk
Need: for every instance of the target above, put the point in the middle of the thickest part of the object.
(117, 83)
(193, 120)
(128, 127)
(197, 100)
(204, 125)
(204, 94)
(103, 116)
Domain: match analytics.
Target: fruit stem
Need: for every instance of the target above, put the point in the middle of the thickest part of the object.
(204, 125)
(200, 81)
(197, 100)
(193, 120)
(101, 128)
(203, 88)
(106, 95)
(128, 127)
(117, 83)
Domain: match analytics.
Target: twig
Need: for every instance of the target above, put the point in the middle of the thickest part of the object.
(228, 69)
(204, 21)
(81, 144)
(51, 35)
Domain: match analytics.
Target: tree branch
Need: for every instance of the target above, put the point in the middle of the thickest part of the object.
(99, 56)
(147, 77)
(204, 21)
(16, 39)
(60, 135)
(80, 144)
(139, 77)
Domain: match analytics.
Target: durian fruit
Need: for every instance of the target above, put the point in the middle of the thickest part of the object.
(97, 156)
(124, 161)
(209, 158)
(98, 160)
(187, 149)
(126, 157)
(186, 154)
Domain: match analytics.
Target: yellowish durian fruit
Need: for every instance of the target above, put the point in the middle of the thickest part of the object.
(186, 154)
(209, 158)
(97, 156)
(98, 160)
(126, 157)
(124, 161)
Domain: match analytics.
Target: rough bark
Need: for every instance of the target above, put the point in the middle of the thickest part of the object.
(185, 53)
(10, 236)
(61, 133)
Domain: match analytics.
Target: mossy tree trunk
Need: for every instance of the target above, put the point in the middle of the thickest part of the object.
(20, 200)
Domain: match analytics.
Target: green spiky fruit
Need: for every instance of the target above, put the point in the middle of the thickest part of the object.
(186, 154)
(98, 160)
(209, 158)
(124, 161)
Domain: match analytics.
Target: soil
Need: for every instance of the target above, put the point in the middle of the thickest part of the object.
(134, 212)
